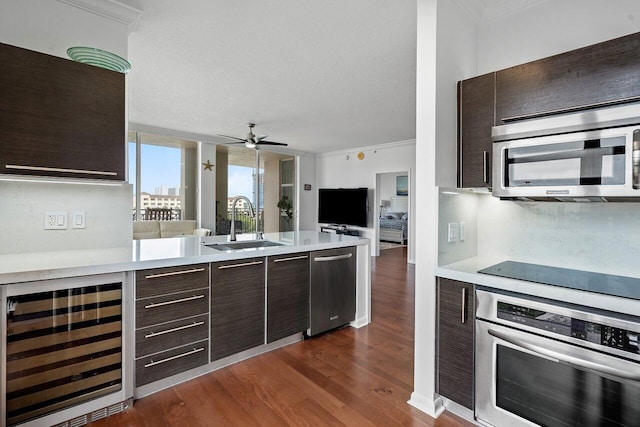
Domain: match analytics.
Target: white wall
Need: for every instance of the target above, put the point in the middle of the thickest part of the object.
(51, 27)
(307, 209)
(455, 60)
(426, 200)
(446, 53)
(108, 216)
(387, 188)
(342, 169)
(553, 27)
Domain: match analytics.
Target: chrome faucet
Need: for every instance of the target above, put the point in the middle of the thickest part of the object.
(232, 233)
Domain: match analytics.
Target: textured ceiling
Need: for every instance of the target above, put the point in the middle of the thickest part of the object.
(318, 75)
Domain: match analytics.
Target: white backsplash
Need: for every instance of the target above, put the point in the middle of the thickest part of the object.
(602, 237)
(108, 211)
(456, 206)
(589, 236)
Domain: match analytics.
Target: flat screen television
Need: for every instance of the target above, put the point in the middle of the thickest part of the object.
(343, 206)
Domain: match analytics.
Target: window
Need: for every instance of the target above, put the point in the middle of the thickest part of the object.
(163, 172)
(236, 176)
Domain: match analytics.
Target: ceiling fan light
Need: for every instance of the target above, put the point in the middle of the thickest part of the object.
(250, 144)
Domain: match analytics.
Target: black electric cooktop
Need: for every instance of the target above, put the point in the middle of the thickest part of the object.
(619, 286)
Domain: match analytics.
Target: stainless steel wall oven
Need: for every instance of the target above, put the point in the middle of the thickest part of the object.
(541, 362)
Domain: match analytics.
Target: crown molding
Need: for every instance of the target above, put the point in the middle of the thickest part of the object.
(368, 148)
(487, 11)
(110, 9)
(474, 8)
(498, 10)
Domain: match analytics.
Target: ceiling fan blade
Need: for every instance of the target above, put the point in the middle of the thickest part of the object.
(234, 142)
(232, 137)
(261, 137)
(271, 143)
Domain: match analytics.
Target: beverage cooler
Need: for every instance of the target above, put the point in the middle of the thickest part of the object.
(64, 347)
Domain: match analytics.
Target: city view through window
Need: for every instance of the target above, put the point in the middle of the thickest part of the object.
(166, 168)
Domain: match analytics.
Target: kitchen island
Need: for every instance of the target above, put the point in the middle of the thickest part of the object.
(182, 306)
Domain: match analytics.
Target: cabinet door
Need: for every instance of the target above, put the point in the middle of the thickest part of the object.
(607, 72)
(59, 117)
(237, 306)
(455, 341)
(287, 295)
(475, 120)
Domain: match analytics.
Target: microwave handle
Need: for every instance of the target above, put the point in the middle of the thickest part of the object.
(635, 157)
(564, 357)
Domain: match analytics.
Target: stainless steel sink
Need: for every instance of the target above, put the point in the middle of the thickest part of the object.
(247, 244)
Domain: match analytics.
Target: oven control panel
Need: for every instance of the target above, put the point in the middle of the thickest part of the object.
(607, 336)
(619, 338)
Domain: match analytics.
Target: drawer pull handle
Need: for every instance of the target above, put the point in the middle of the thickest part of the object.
(464, 306)
(168, 331)
(175, 301)
(47, 169)
(178, 356)
(485, 167)
(293, 258)
(332, 258)
(244, 264)
(173, 273)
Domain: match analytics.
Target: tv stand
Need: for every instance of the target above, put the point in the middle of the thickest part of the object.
(339, 229)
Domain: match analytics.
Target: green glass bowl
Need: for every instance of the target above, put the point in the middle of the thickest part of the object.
(99, 58)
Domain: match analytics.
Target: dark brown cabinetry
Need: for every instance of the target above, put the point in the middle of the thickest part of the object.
(287, 295)
(59, 117)
(475, 120)
(603, 73)
(455, 341)
(237, 306)
(172, 321)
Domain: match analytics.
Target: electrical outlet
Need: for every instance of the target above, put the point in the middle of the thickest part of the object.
(462, 232)
(55, 220)
(452, 232)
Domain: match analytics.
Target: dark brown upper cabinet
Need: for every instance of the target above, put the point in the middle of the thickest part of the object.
(475, 120)
(59, 117)
(601, 74)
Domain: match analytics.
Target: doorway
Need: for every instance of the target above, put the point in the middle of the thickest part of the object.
(393, 206)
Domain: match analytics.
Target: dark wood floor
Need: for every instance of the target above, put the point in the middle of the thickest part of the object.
(348, 377)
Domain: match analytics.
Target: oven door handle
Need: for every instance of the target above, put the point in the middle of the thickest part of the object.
(581, 363)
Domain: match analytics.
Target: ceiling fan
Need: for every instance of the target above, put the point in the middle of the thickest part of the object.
(253, 141)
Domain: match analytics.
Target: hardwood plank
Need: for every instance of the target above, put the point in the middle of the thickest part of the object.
(350, 377)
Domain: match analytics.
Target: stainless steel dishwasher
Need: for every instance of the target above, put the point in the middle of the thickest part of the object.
(332, 299)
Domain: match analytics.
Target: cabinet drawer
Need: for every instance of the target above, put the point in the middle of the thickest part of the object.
(168, 335)
(165, 364)
(167, 308)
(160, 281)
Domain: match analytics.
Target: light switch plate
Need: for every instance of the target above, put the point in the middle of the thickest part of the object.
(55, 220)
(452, 232)
(78, 219)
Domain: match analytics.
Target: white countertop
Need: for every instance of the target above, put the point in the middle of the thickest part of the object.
(467, 271)
(154, 253)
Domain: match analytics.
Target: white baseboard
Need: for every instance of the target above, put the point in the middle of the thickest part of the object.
(430, 406)
(359, 323)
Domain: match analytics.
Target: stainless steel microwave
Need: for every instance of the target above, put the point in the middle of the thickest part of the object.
(587, 156)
